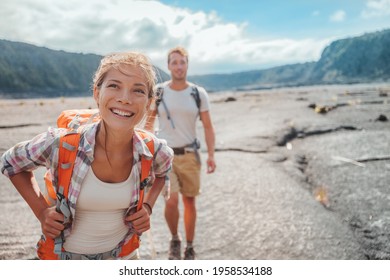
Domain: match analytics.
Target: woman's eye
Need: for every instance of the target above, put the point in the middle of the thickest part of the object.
(112, 86)
(141, 91)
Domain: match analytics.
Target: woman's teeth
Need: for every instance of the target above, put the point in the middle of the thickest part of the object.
(122, 113)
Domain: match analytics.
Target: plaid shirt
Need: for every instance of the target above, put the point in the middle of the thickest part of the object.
(43, 150)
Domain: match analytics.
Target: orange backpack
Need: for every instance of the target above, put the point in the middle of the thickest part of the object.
(50, 249)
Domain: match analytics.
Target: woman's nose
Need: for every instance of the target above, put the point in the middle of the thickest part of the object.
(125, 96)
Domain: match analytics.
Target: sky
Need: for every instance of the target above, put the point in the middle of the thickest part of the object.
(221, 36)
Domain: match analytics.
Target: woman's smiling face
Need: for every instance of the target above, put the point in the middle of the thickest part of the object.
(123, 98)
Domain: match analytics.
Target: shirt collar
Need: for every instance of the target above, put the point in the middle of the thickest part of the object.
(89, 142)
(139, 145)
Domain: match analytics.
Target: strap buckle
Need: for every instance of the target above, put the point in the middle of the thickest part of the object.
(62, 206)
(144, 183)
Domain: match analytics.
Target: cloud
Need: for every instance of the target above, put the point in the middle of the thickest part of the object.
(149, 26)
(376, 8)
(338, 16)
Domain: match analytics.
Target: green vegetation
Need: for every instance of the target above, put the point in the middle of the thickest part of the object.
(27, 68)
(30, 71)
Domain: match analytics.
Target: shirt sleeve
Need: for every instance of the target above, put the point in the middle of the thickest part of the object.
(29, 155)
(162, 163)
(204, 97)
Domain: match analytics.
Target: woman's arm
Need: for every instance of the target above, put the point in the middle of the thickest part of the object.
(141, 218)
(155, 191)
(162, 165)
(51, 221)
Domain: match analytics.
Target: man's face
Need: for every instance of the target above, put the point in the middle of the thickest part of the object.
(178, 66)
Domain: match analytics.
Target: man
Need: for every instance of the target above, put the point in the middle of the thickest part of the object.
(178, 113)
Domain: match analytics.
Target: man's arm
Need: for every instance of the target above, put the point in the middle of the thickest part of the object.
(210, 140)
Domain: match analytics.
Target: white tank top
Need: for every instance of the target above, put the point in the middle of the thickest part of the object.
(98, 224)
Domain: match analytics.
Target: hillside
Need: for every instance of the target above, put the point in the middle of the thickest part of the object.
(41, 71)
(30, 71)
(362, 59)
(287, 75)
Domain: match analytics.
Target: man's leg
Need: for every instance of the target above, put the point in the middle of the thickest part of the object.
(189, 217)
(189, 225)
(172, 218)
(172, 212)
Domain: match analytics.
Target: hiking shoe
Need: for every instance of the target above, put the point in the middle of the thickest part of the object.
(189, 254)
(174, 250)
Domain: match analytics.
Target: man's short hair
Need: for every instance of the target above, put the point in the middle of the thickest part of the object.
(180, 50)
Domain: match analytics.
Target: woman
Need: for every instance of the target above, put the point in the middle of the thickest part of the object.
(105, 186)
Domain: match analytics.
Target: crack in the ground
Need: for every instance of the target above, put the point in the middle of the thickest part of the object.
(292, 133)
(377, 158)
(240, 150)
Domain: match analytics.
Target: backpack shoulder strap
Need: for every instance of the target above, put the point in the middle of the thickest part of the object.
(195, 95)
(67, 156)
(68, 147)
(159, 95)
(146, 165)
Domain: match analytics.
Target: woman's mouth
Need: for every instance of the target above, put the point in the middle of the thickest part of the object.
(122, 113)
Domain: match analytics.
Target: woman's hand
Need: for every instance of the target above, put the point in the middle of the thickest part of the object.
(51, 222)
(140, 220)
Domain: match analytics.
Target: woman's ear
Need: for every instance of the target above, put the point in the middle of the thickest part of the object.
(96, 94)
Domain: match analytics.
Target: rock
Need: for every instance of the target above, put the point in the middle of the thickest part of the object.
(381, 118)
(229, 99)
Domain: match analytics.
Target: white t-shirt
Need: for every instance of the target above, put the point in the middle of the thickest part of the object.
(183, 113)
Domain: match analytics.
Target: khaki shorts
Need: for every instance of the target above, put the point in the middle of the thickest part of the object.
(185, 175)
